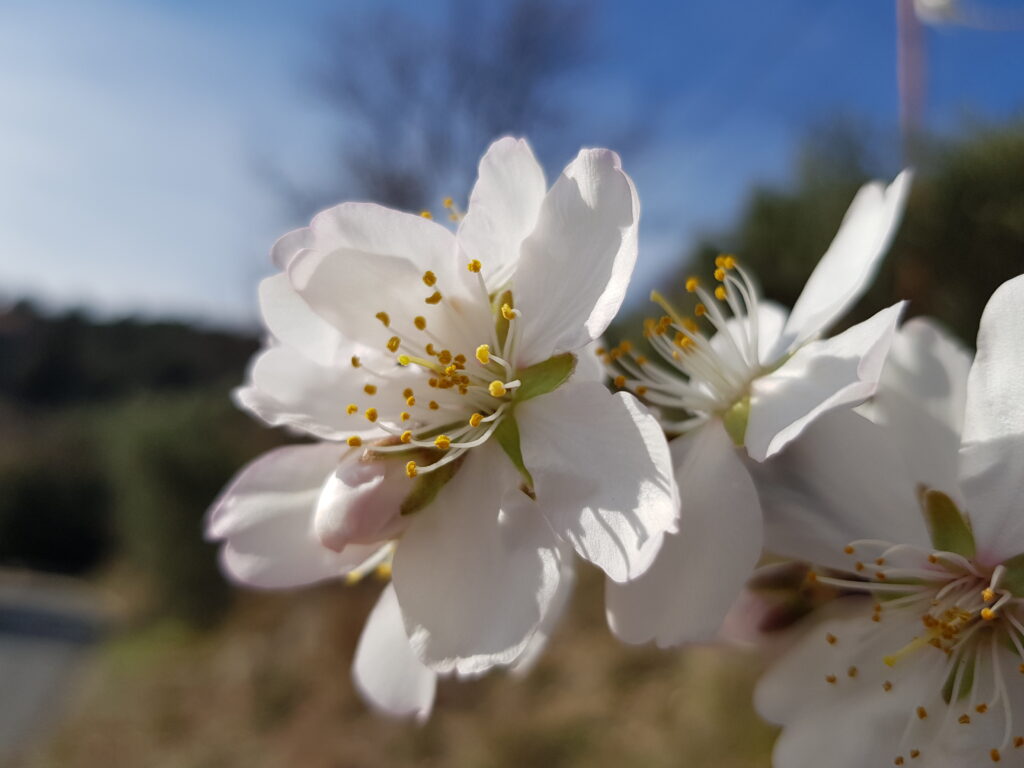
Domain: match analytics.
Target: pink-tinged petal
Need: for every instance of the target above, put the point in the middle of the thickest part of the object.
(849, 265)
(993, 441)
(920, 399)
(819, 377)
(477, 570)
(575, 267)
(291, 321)
(388, 675)
(503, 208)
(360, 503)
(265, 520)
(700, 570)
(287, 389)
(843, 480)
(602, 474)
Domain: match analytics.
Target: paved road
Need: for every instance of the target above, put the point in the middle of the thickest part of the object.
(46, 626)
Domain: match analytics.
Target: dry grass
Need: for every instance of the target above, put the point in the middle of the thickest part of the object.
(270, 688)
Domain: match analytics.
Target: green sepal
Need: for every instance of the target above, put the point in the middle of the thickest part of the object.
(427, 485)
(735, 420)
(541, 378)
(507, 435)
(966, 682)
(949, 529)
(1013, 579)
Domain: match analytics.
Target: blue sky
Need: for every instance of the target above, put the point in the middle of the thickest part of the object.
(134, 132)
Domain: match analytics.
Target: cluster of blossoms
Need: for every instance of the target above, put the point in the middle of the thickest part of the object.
(468, 449)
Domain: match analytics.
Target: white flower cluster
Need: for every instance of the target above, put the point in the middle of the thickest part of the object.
(466, 448)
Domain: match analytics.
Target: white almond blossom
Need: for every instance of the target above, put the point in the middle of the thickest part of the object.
(754, 381)
(460, 445)
(927, 668)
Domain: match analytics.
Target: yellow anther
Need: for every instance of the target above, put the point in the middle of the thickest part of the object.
(995, 756)
(371, 414)
(719, 275)
(887, 686)
(370, 389)
(898, 760)
(641, 391)
(451, 370)
(922, 713)
(410, 401)
(988, 614)
(719, 260)
(355, 441)
(410, 469)
(355, 361)
(831, 639)
(981, 709)
(497, 388)
(426, 214)
(848, 549)
(407, 392)
(830, 679)
(430, 349)
(384, 318)
(599, 351)
(720, 293)
(690, 324)
(641, 360)
(474, 266)
(420, 322)
(444, 357)
(988, 595)
(404, 416)
(460, 359)
(728, 262)
(383, 571)
(432, 382)
(432, 405)
(620, 381)
(507, 312)
(434, 298)
(443, 442)
(851, 672)
(692, 284)
(700, 310)
(475, 419)
(352, 408)
(429, 279)
(393, 343)
(448, 202)
(964, 719)
(626, 346)
(404, 359)
(406, 437)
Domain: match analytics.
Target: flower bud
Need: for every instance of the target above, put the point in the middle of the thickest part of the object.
(360, 503)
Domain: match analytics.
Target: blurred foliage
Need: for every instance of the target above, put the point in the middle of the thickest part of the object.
(168, 457)
(961, 237)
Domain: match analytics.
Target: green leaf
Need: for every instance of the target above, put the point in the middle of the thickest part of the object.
(427, 485)
(545, 377)
(507, 435)
(947, 525)
(1013, 579)
(735, 420)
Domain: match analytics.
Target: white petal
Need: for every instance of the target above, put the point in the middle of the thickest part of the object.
(291, 320)
(850, 263)
(920, 399)
(535, 648)
(503, 208)
(602, 474)
(701, 570)
(842, 481)
(286, 388)
(390, 677)
(288, 245)
(771, 319)
(265, 519)
(819, 377)
(575, 267)
(476, 571)
(993, 445)
(360, 503)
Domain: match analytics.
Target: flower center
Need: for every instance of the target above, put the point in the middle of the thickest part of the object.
(701, 374)
(460, 396)
(964, 611)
